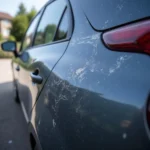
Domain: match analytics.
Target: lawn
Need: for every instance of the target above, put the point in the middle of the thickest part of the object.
(5, 54)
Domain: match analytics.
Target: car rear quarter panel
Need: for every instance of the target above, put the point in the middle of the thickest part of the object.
(95, 98)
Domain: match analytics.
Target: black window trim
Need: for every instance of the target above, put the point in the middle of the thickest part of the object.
(70, 30)
(61, 18)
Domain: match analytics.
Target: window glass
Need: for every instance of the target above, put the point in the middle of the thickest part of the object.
(63, 28)
(30, 33)
(49, 22)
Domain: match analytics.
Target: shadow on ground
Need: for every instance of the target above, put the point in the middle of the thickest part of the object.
(13, 127)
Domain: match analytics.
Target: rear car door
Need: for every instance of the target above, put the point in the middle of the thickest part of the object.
(37, 60)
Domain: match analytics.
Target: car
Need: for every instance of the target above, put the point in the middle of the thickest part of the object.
(82, 75)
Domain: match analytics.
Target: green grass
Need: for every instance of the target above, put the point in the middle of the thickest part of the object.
(5, 54)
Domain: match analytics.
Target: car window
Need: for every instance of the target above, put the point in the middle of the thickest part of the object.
(30, 33)
(63, 28)
(49, 22)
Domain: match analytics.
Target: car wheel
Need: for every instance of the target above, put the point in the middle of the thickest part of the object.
(35, 148)
(16, 97)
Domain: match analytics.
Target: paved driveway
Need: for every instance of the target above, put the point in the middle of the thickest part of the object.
(13, 127)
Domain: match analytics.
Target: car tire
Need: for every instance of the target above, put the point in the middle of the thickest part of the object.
(36, 148)
(16, 97)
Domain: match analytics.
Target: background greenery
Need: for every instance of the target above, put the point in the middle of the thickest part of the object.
(20, 24)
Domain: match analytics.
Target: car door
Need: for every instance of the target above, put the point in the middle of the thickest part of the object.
(25, 44)
(41, 118)
(37, 60)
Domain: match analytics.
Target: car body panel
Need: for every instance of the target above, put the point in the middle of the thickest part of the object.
(105, 14)
(90, 97)
(15, 72)
(42, 58)
(94, 98)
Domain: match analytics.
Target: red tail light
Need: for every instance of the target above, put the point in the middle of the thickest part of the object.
(134, 37)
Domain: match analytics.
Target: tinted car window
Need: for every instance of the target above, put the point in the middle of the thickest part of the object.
(30, 33)
(63, 28)
(104, 14)
(49, 22)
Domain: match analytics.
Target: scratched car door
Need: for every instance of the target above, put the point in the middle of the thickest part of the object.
(37, 60)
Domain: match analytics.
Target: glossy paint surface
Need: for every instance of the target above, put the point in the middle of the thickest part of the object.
(94, 98)
(34, 64)
(42, 59)
(104, 14)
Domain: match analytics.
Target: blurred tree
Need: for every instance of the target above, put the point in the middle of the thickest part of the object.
(31, 14)
(49, 33)
(19, 26)
(22, 10)
(21, 22)
(11, 38)
(46, 36)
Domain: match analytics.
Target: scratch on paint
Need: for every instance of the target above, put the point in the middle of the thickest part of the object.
(86, 40)
(79, 71)
(54, 123)
(118, 64)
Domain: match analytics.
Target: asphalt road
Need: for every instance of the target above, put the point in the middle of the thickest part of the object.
(13, 127)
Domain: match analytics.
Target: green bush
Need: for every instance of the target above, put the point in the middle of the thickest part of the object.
(19, 25)
(11, 38)
(5, 54)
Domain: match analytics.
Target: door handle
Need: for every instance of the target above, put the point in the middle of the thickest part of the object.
(17, 68)
(36, 78)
